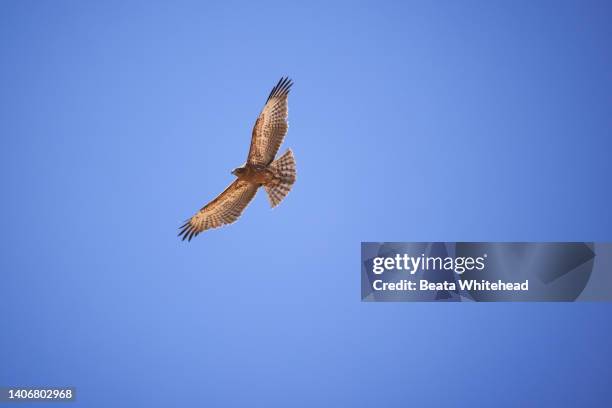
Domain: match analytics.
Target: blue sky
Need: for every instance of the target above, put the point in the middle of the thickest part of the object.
(410, 121)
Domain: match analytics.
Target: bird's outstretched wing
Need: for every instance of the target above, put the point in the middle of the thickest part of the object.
(271, 126)
(225, 209)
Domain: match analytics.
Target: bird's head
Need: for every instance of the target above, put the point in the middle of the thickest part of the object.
(238, 171)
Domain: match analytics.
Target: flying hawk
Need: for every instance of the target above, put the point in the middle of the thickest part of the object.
(277, 176)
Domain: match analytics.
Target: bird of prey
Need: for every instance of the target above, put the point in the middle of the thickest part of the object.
(276, 176)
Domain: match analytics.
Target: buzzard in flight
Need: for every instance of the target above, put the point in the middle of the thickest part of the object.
(276, 176)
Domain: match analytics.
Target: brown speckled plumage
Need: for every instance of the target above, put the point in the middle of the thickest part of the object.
(277, 176)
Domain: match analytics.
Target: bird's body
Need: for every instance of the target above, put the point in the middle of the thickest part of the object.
(254, 173)
(261, 169)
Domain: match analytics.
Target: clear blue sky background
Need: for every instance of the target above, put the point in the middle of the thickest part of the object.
(410, 121)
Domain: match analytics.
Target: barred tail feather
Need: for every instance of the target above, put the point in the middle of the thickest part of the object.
(285, 176)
